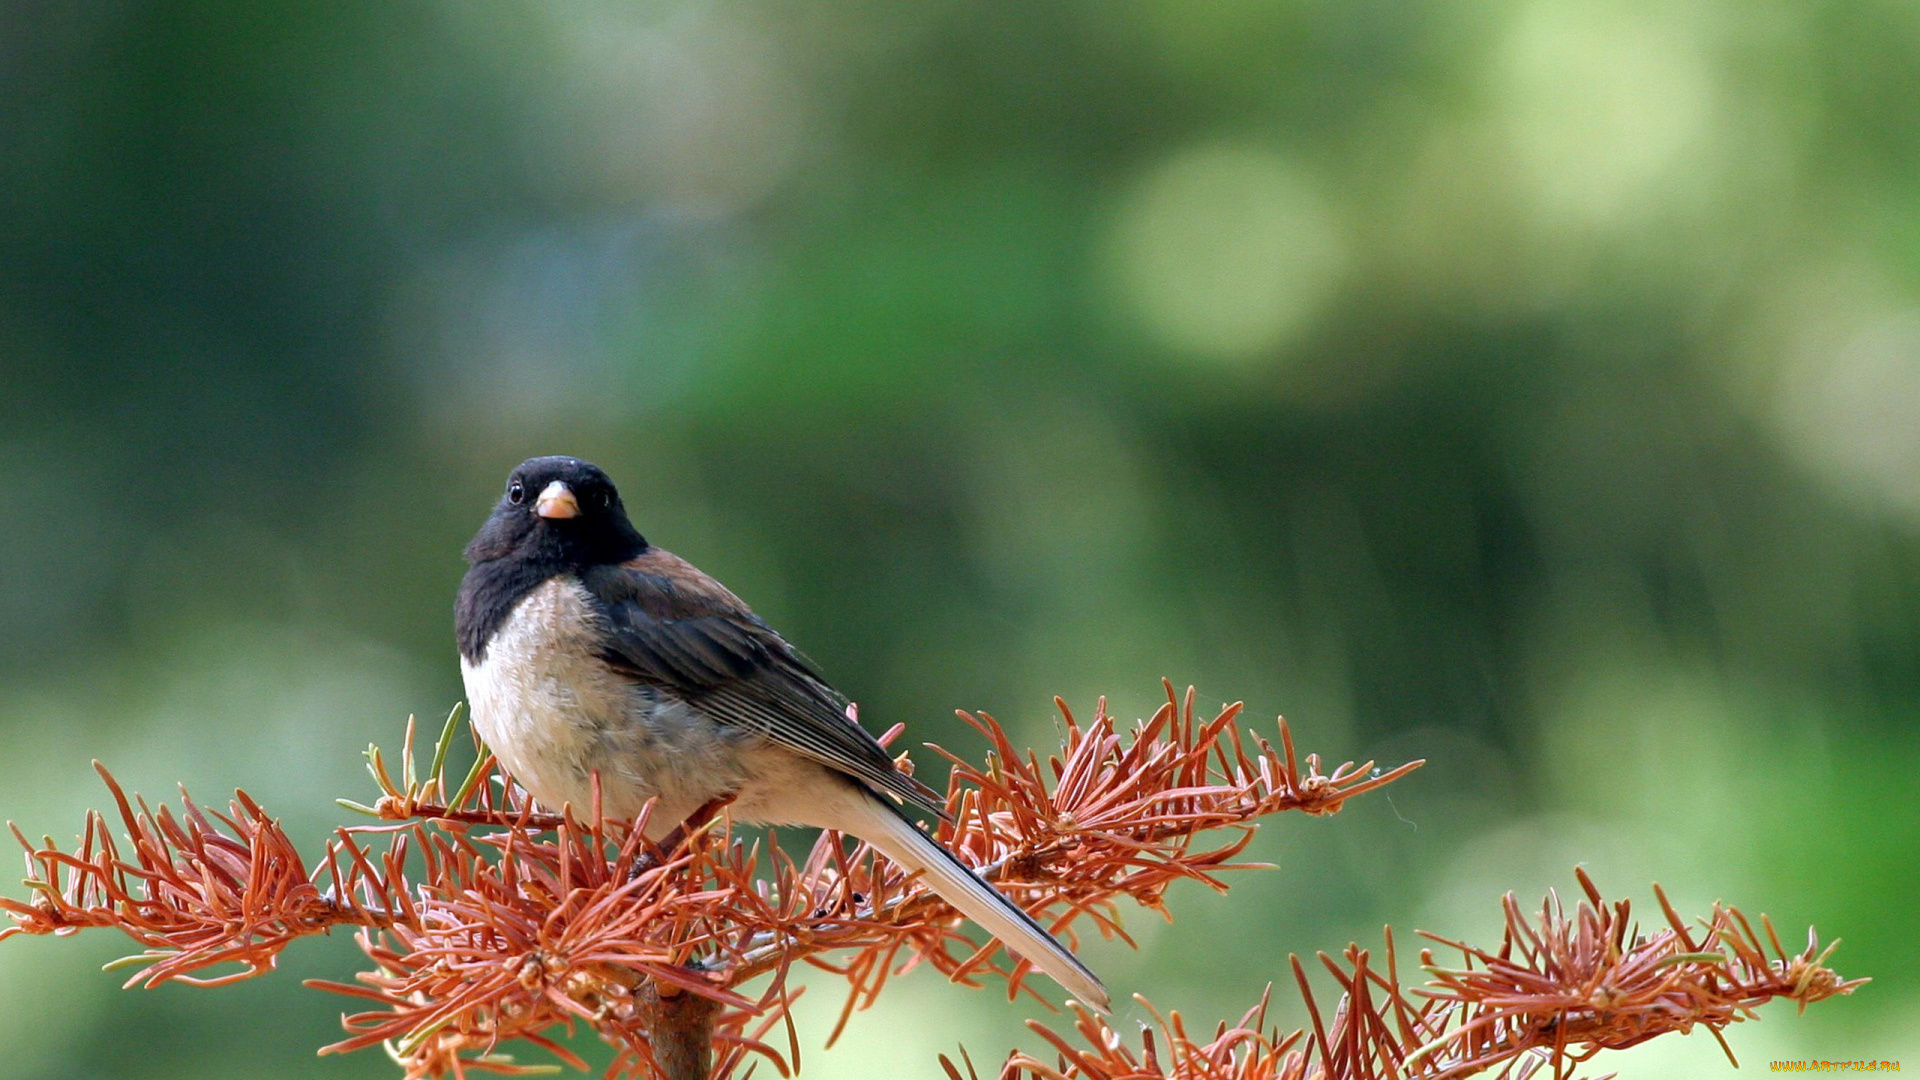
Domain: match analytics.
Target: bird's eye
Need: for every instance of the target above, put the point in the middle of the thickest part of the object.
(516, 493)
(602, 499)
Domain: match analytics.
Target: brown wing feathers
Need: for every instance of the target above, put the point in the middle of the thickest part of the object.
(673, 626)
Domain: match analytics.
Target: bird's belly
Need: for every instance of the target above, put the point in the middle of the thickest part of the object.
(555, 715)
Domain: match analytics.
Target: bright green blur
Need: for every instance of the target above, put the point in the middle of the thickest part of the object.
(1533, 387)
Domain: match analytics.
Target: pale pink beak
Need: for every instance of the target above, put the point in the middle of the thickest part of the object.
(557, 502)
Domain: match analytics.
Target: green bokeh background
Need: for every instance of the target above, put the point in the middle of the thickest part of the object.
(1532, 386)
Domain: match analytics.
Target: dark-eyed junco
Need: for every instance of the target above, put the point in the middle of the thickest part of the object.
(587, 650)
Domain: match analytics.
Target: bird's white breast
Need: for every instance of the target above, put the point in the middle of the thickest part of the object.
(541, 695)
(555, 714)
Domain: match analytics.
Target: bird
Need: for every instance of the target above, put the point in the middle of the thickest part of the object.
(587, 651)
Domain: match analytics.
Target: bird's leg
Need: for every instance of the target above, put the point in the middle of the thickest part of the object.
(655, 854)
(695, 821)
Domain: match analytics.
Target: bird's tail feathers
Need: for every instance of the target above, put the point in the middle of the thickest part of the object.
(887, 828)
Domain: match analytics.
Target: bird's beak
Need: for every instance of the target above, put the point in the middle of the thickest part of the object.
(557, 502)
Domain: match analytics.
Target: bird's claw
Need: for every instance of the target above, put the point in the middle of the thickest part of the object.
(653, 855)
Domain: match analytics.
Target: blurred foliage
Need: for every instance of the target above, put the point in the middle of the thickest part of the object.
(1532, 386)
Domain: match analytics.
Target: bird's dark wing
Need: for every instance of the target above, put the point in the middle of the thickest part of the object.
(673, 627)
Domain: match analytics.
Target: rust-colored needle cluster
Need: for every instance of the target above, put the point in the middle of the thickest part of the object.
(1557, 990)
(486, 921)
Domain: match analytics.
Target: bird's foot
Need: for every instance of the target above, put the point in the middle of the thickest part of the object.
(655, 854)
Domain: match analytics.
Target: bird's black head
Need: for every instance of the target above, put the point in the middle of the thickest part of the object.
(561, 513)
